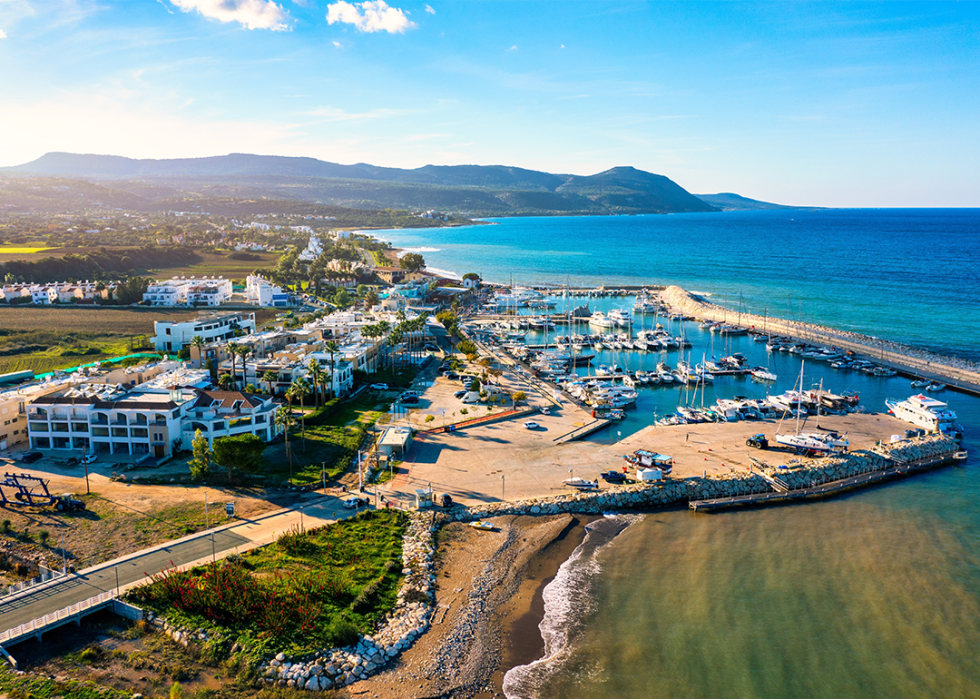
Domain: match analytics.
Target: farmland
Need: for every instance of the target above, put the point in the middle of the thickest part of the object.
(220, 264)
(43, 339)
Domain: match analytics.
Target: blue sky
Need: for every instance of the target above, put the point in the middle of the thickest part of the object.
(828, 104)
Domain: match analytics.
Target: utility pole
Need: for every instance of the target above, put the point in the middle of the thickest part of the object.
(323, 475)
(503, 485)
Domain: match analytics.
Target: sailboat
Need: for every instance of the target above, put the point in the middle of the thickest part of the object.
(811, 442)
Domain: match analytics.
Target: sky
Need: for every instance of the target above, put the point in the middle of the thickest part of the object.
(826, 104)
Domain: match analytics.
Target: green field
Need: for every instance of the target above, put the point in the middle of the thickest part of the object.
(43, 339)
(219, 264)
(310, 590)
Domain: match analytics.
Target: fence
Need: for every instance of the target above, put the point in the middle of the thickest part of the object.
(10, 592)
(72, 612)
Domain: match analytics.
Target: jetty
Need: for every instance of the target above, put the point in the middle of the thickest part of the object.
(922, 364)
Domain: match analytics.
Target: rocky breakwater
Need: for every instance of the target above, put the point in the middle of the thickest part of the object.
(802, 473)
(338, 667)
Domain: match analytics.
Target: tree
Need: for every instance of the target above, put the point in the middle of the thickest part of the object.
(519, 397)
(243, 351)
(332, 349)
(342, 298)
(319, 379)
(371, 299)
(300, 388)
(233, 354)
(200, 464)
(412, 261)
(268, 378)
(225, 382)
(466, 347)
(243, 451)
(284, 420)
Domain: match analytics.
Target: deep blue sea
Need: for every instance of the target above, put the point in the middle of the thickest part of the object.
(909, 275)
(876, 594)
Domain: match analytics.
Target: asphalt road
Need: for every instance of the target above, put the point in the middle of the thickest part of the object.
(77, 588)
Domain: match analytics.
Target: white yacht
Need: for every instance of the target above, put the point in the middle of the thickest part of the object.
(926, 412)
(601, 320)
(620, 318)
(813, 441)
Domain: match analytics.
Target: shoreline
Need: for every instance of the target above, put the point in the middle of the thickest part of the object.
(488, 587)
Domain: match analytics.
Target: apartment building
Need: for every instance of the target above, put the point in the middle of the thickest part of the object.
(189, 291)
(171, 336)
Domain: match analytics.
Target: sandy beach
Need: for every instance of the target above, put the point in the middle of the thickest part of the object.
(488, 606)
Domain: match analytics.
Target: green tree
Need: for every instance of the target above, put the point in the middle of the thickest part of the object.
(268, 378)
(300, 388)
(371, 299)
(203, 458)
(243, 451)
(332, 349)
(225, 382)
(412, 261)
(466, 347)
(342, 298)
(284, 420)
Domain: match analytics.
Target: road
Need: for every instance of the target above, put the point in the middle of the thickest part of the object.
(189, 550)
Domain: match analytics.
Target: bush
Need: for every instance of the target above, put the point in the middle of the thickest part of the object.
(44, 535)
(342, 632)
(5, 526)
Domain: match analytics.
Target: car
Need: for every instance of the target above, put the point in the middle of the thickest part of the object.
(89, 459)
(409, 399)
(531, 425)
(460, 394)
(452, 375)
(430, 348)
(31, 456)
(355, 503)
(379, 386)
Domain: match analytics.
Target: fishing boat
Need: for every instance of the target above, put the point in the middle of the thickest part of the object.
(581, 483)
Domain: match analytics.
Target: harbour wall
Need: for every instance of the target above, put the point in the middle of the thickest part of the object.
(921, 362)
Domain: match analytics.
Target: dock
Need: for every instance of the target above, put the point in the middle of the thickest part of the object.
(783, 495)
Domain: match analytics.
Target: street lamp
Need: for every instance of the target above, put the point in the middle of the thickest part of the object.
(502, 488)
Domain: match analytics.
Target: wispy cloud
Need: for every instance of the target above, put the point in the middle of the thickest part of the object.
(3, 34)
(371, 16)
(428, 8)
(337, 44)
(513, 48)
(333, 114)
(251, 14)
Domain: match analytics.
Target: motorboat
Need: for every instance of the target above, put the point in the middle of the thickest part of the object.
(581, 483)
(927, 412)
(601, 320)
(482, 526)
(813, 442)
(763, 374)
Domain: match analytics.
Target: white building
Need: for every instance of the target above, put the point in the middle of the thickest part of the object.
(259, 291)
(173, 336)
(184, 291)
(228, 414)
(313, 249)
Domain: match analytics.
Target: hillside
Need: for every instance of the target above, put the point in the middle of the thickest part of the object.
(726, 201)
(471, 189)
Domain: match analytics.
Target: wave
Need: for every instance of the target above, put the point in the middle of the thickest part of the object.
(568, 600)
(405, 251)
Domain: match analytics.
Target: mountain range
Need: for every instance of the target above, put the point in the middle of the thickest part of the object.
(475, 190)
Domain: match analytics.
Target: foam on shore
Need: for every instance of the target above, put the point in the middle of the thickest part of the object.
(568, 601)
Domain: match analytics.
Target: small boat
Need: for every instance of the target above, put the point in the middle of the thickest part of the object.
(482, 526)
(935, 387)
(922, 383)
(763, 374)
(581, 483)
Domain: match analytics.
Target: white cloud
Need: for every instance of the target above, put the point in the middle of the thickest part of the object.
(3, 34)
(323, 114)
(337, 44)
(513, 48)
(252, 14)
(428, 8)
(370, 16)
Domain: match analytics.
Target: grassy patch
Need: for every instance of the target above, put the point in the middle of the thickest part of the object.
(307, 591)
(333, 435)
(216, 263)
(14, 685)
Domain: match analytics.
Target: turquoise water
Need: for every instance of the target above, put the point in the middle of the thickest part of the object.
(876, 594)
(908, 275)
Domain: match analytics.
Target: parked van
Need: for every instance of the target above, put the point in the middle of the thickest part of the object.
(472, 397)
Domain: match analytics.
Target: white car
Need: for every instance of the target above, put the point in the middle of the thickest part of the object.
(379, 386)
(89, 459)
(355, 502)
(531, 425)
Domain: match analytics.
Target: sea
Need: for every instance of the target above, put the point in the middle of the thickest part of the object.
(873, 594)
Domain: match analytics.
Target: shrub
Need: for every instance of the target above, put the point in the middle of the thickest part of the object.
(44, 535)
(342, 632)
(5, 526)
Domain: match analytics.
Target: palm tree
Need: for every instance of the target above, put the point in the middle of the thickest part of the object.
(243, 351)
(284, 420)
(268, 377)
(319, 378)
(300, 388)
(233, 353)
(331, 348)
(224, 381)
(198, 342)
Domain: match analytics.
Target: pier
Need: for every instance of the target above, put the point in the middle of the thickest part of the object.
(783, 495)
